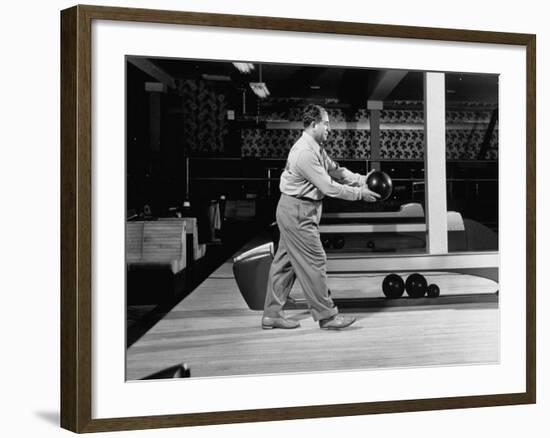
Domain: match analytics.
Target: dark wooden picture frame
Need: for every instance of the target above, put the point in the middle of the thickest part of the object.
(76, 218)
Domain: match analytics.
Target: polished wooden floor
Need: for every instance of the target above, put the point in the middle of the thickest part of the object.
(215, 334)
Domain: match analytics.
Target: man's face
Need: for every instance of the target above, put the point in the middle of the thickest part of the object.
(321, 129)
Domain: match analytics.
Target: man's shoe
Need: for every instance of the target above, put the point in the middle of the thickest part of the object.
(336, 322)
(282, 323)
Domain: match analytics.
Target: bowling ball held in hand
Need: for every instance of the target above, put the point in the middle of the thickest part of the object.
(381, 183)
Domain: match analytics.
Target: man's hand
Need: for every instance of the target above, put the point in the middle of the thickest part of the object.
(368, 195)
(363, 179)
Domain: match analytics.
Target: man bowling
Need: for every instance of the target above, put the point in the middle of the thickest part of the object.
(309, 175)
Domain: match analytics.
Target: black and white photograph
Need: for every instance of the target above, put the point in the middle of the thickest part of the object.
(271, 219)
(296, 218)
(275, 219)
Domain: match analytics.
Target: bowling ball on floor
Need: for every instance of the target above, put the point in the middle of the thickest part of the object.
(433, 290)
(381, 183)
(393, 286)
(416, 285)
(338, 242)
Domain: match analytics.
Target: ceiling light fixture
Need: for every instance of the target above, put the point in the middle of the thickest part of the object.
(244, 67)
(259, 89)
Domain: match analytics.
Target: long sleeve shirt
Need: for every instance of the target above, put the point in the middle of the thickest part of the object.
(311, 173)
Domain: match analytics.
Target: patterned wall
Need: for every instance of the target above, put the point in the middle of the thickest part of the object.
(335, 114)
(394, 144)
(417, 116)
(203, 118)
(275, 143)
(465, 145)
(464, 136)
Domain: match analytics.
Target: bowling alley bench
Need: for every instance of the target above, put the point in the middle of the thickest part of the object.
(157, 254)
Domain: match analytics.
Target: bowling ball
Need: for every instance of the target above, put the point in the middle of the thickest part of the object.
(393, 286)
(325, 241)
(370, 244)
(338, 242)
(433, 290)
(416, 285)
(381, 183)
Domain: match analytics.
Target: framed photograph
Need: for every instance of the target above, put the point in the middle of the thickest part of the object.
(176, 156)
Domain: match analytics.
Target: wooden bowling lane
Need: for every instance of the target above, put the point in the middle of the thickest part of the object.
(215, 334)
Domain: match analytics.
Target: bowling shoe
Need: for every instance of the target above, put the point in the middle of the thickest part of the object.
(336, 322)
(282, 323)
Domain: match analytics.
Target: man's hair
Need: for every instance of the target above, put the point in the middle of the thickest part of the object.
(313, 113)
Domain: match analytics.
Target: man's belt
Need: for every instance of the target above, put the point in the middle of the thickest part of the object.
(304, 198)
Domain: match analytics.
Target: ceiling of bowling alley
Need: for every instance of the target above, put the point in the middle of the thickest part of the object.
(337, 86)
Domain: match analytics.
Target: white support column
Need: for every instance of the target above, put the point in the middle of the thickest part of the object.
(435, 175)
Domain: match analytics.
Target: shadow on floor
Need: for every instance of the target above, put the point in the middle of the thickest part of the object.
(50, 417)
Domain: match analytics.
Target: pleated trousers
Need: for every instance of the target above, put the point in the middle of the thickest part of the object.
(300, 255)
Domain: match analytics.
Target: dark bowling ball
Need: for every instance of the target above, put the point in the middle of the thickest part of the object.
(393, 286)
(416, 285)
(338, 242)
(381, 183)
(433, 290)
(325, 241)
(370, 244)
